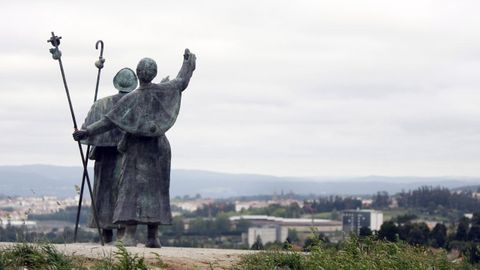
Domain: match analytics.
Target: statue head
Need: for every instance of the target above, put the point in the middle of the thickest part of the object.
(125, 80)
(146, 70)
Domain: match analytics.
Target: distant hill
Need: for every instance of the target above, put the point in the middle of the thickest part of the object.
(60, 181)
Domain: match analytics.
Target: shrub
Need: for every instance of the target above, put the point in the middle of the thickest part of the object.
(31, 256)
(47, 257)
(354, 253)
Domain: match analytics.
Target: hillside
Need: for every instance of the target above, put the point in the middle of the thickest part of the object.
(60, 181)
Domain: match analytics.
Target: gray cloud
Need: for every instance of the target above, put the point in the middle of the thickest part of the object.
(285, 88)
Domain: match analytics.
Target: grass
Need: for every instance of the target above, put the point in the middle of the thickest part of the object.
(322, 215)
(31, 256)
(47, 257)
(354, 254)
(389, 214)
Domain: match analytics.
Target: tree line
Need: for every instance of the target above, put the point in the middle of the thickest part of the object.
(331, 203)
(431, 198)
(465, 236)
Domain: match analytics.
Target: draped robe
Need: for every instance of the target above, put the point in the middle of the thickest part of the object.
(107, 162)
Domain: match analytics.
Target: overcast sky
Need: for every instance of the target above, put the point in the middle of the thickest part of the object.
(298, 88)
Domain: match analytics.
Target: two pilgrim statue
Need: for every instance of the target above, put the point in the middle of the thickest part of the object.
(131, 152)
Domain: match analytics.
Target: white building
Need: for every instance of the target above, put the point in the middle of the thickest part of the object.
(192, 205)
(245, 205)
(273, 229)
(268, 234)
(353, 220)
(17, 223)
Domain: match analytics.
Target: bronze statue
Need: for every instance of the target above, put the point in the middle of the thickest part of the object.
(106, 155)
(145, 115)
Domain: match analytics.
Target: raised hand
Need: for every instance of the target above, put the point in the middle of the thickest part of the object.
(190, 58)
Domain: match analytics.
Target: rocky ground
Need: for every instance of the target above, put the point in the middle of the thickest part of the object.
(174, 257)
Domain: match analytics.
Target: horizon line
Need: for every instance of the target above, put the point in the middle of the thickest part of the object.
(311, 178)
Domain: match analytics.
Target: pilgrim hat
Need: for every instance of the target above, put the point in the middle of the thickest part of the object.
(125, 80)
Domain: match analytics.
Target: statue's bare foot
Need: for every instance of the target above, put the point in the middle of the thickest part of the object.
(129, 241)
(120, 233)
(153, 243)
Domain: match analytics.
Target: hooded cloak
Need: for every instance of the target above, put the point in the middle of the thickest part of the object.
(149, 111)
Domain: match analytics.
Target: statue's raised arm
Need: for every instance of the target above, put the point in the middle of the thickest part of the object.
(186, 71)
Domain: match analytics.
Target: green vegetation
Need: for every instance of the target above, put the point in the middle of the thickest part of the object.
(32, 256)
(290, 211)
(437, 198)
(366, 253)
(325, 215)
(56, 236)
(390, 214)
(68, 214)
(46, 257)
(466, 237)
(432, 203)
(122, 260)
(331, 203)
(406, 231)
(355, 253)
